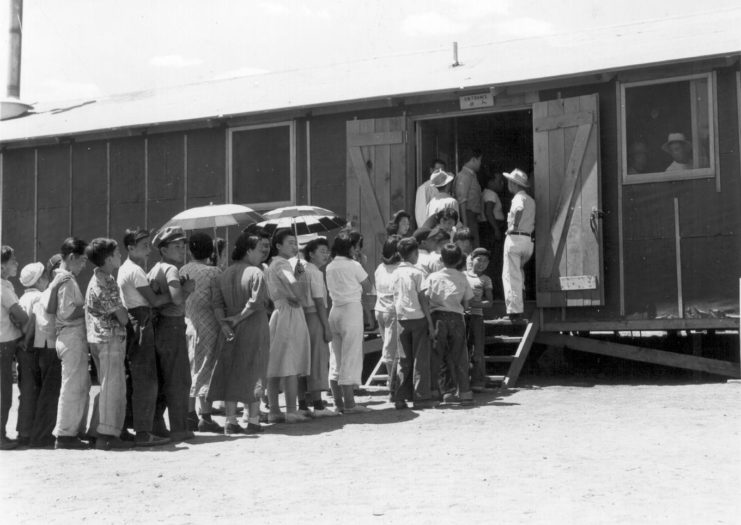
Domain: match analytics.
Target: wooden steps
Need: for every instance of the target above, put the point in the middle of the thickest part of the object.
(507, 346)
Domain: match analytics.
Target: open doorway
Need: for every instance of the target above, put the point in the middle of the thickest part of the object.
(506, 141)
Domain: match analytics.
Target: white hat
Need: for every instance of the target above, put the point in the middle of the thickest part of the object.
(676, 137)
(31, 273)
(440, 178)
(518, 176)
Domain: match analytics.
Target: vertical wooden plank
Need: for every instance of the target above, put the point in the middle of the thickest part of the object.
(571, 262)
(352, 189)
(165, 177)
(128, 185)
(370, 239)
(89, 190)
(398, 170)
(557, 162)
(678, 255)
(17, 205)
(108, 188)
(53, 199)
(542, 195)
(206, 167)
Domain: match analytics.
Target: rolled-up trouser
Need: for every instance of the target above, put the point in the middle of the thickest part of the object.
(450, 349)
(174, 371)
(517, 251)
(475, 327)
(413, 382)
(7, 353)
(389, 330)
(74, 394)
(141, 393)
(318, 378)
(109, 408)
(346, 348)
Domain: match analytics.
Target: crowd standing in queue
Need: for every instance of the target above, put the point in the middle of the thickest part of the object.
(183, 337)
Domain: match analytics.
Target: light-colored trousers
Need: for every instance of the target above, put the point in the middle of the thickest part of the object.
(74, 394)
(388, 327)
(346, 348)
(517, 251)
(109, 407)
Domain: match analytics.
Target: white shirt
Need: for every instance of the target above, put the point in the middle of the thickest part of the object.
(69, 299)
(407, 283)
(440, 202)
(491, 196)
(343, 280)
(522, 201)
(8, 331)
(385, 288)
(34, 302)
(425, 193)
(130, 277)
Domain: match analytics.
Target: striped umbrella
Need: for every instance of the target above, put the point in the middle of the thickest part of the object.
(302, 220)
(214, 216)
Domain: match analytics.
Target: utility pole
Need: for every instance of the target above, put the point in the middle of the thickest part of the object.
(11, 106)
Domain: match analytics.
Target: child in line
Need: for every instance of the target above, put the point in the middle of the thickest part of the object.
(415, 329)
(39, 368)
(290, 348)
(105, 320)
(400, 224)
(72, 349)
(139, 298)
(449, 293)
(435, 241)
(12, 318)
(463, 238)
(481, 286)
(170, 345)
(346, 283)
(314, 302)
(201, 330)
(385, 311)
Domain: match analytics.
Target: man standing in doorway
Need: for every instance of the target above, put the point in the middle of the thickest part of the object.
(468, 192)
(425, 193)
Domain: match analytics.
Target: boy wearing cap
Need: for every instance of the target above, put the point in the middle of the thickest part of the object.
(12, 318)
(72, 349)
(483, 296)
(106, 320)
(518, 246)
(138, 298)
(415, 329)
(449, 293)
(443, 181)
(170, 343)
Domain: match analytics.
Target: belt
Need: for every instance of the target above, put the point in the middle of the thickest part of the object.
(520, 233)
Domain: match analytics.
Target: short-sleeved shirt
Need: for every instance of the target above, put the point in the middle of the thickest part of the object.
(434, 263)
(479, 284)
(492, 196)
(311, 282)
(69, 298)
(522, 201)
(447, 289)
(407, 283)
(8, 331)
(202, 275)
(468, 190)
(439, 203)
(425, 193)
(159, 276)
(385, 288)
(130, 277)
(343, 280)
(34, 303)
(102, 299)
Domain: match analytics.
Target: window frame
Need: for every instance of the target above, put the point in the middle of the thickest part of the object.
(260, 206)
(697, 173)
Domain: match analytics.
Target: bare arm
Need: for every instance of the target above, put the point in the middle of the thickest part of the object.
(177, 293)
(367, 285)
(489, 212)
(321, 311)
(424, 303)
(488, 298)
(59, 279)
(122, 315)
(19, 316)
(29, 331)
(154, 299)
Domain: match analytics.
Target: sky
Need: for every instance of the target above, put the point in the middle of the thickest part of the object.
(81, 49)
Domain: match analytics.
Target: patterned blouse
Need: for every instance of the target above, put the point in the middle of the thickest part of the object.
(102, 299)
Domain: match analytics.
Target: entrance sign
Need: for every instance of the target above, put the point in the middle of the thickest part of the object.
(481, 100)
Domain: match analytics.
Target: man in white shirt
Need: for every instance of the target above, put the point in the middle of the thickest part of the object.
(425, 193)
(441, 180)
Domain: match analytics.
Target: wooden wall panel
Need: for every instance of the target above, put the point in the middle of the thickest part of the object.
(18, 204)
(89, 190)
(652, 283)
(328, 163)
(53, 199)
(206, 167)
(127, 185)
(709, 271)
(166, 182)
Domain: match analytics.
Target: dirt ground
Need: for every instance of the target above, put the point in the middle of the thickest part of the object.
(610, 453)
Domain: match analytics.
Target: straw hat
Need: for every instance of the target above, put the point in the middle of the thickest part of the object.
(31, 273)
(440, 178)
(676, 137)
(518, 176)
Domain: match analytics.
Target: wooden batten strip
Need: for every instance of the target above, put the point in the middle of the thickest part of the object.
(566, 120)
(375, 139)
(678, 252)
(638, 353)
(69, 197)
(108, 188)
(35, 203)
(146, 182)
(185, 171)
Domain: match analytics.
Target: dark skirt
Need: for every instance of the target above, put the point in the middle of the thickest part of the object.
(242, 363)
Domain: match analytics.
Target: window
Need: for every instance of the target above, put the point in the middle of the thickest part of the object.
(668, 129)
(262, 166)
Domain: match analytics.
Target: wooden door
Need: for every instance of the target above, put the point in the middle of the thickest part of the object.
(568, 229)
(376, 179)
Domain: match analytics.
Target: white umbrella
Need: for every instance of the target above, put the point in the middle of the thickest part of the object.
(215, 216)
(302, 219)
